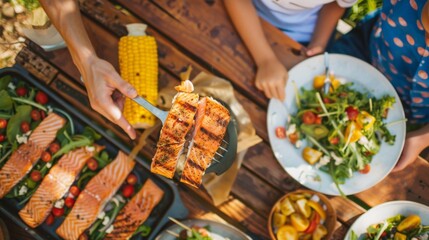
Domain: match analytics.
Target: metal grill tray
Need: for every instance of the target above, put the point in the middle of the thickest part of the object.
(170, 205)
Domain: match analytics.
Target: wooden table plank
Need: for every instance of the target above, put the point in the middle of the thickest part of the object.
(213, 42)
(410, 184)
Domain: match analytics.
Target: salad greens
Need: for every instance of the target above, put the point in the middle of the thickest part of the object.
(344, 129)
(398, 227)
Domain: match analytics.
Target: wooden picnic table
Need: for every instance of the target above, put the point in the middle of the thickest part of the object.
(200, 33)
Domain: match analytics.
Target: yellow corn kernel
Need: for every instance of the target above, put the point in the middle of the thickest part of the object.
(138, 63)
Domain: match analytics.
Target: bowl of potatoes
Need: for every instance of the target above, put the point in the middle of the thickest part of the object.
(302, 214)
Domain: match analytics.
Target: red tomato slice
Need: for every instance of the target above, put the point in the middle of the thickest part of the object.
(366, 169)
(281, 132)
(293, 137)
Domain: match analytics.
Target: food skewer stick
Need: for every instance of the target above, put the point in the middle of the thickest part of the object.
(180, 224)
(173, 233)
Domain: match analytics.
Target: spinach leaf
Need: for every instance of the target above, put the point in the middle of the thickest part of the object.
(6, 102)
(13, 127)
(4, 82)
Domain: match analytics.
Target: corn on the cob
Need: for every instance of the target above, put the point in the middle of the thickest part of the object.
(138, 63)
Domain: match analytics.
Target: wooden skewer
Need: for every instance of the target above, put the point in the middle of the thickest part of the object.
(173, 233)
(180, 224)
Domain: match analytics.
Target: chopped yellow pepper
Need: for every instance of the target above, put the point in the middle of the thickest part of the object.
(287, 232)
(365, 120)
(409, 223)
(320, 232)
(399, 236)
(311, 155)
(353, 131)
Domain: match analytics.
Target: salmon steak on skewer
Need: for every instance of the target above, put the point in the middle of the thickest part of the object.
(136, 211)
(54, 186)
(94, 197)
(211, 122)
(27, 155)
(172, 139)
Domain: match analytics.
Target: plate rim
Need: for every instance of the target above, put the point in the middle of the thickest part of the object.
(283, 103)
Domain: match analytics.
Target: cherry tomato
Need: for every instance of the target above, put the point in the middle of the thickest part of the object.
(352, 113)
(74, 190)
(334, 140)
(318, 120)
(2, 138)
(50, 219)
(308, 117)
(92, 164)
(54, 147)
(281, 132)
(36, 176)
(132, 179)
(128, 190)
(41, 97)
(58, 212)
(35, 115)
(69, 202)
(366, 169)
(46, 156)
(3, 123)
(327, 100)
(42, 114)
(293, 137)
(25, 127)
(21, 91)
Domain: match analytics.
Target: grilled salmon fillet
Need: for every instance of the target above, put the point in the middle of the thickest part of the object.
(54, 186)
(210, 126)
(136, 211)
(172, 139)
(94, 197)
(28, 154)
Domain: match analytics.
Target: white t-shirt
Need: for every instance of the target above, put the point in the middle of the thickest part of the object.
(296, 18)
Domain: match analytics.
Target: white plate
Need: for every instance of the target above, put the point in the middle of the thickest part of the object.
(386, 210)
(225, 230)
(365, 77)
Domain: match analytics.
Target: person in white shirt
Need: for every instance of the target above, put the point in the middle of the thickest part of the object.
(310, 22)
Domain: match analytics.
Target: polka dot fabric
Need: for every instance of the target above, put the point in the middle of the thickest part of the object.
(401, 53)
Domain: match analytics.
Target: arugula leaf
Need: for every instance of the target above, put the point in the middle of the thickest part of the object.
(13, 128)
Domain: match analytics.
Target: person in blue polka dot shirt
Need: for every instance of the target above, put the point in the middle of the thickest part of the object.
(395, 39)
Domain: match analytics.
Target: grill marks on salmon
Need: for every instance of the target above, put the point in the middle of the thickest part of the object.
(54, 186)
(172, 139)
(27, 155)
(136, 211)
(210, 126)
(94, 197)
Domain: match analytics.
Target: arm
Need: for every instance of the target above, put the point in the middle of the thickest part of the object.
(326, 23)
(101, 79)
(271, 75)
(415, 143)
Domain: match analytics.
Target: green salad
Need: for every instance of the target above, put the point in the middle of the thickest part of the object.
(343, 129)
(398, 227)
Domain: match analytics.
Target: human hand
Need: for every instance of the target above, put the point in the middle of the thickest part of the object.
(313, 50)
(107, 91)
(414, 144)
(271, 78)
